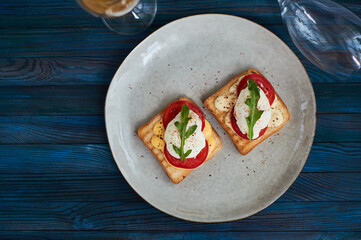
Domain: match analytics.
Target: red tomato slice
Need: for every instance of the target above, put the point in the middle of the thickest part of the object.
(261, 82)
(169, 114)
(239, 132)
(266, 87)
(188, 163)
(175, 107)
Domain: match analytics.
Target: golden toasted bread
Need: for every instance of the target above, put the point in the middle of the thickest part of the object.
(145, 133)
(228, 92)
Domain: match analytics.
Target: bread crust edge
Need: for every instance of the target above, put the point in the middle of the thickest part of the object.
(244, 146)
(177, 175)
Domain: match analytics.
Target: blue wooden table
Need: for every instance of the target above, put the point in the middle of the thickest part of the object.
(58, 179)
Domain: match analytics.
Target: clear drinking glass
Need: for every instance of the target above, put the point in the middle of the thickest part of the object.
(326, 33)
(122, 16)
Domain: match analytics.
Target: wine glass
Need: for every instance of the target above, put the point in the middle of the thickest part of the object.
(326, 33)
(122, 16)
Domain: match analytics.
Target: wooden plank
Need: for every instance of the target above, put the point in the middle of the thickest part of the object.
(57, 71)
(70, 43)
(52, 129)
(325, 187)
(265, 12)
(160, 235)
(89, 100)
(55, 159)
(331, 98)
(318, 76)
(41, 32)
(76, 19)
(139, 216)
(43, 187)
(66, 42)
(167, 11)
(68, 7)
(334, 157)
(92, 71)
(338, 128)
(52, 100)
(88, 42)
(38, 7)
(97, 159)
(103, 43)
(82, 21)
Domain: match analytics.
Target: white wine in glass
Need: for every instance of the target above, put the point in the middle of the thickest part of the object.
(122, 16)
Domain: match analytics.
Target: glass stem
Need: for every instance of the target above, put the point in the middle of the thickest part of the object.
(284, 4)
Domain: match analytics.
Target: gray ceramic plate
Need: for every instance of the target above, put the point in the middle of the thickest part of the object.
(194, 57)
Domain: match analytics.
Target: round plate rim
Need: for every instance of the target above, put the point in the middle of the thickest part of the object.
(277, 196)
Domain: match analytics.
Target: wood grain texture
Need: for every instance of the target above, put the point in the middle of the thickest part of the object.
(265, 11)
(90, 100)
(309, 187)
(57, 71)
(52, 100)
(333, 98)
(70, 71)
(97, 159)
(58, 179)
(99, 42)
(176, 235)
(338, 128)
(57, 159)
(325, 187)
(334, 157)
(52, 129)
(91, 43)
(167, 11)
(139, 216)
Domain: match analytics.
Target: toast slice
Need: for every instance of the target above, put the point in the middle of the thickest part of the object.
(145, 133)
(229, 93)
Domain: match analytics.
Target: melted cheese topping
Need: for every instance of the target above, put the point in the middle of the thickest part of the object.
(157, 142)
(207, 131)
(233, 88)
(211, 143)
(225, 103)
(241, 111)
(158, 128)
(277, 116)
(158, 138)
(196, 142)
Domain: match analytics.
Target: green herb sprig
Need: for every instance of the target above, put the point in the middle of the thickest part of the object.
(183, 132)
(252, 101)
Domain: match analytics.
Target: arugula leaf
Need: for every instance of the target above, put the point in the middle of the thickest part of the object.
(191, 130)
(184, 113)
(183, 132)
(187, 153)
(252, 101)
(177, 150)
(178, 125)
